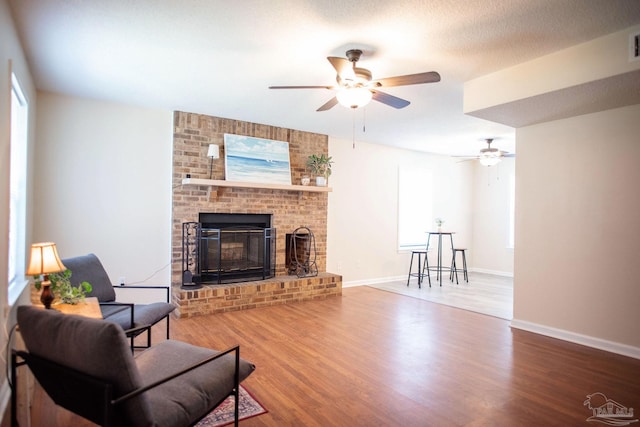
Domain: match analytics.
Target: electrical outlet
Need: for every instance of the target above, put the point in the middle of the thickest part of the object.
(122, 280)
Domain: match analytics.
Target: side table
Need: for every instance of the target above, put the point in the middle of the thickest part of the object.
(89, 308)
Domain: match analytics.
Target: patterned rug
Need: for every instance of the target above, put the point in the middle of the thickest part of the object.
(223, 414)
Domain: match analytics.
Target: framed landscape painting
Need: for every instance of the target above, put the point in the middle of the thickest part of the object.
(251, 159)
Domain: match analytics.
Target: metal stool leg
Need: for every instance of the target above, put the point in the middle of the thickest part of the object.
(418, 274)
(464, 266)
(410, 267)
(421, 268)
(454, 266)
(425, 267)
(454, 269)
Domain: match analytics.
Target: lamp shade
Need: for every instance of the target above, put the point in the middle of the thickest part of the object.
(354, 97)
(214, 151)
(44, 259)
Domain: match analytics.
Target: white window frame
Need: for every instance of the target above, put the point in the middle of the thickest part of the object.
(18, 191)
(415, 207)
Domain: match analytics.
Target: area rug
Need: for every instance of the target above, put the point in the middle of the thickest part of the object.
(223, 414)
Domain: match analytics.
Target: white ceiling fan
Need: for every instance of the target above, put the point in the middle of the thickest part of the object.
(490, 156)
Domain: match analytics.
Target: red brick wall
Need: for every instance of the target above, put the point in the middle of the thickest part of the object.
(289, 209)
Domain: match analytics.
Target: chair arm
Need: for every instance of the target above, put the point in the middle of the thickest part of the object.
(116, 303)
(145, 287)
(140, 390)
(124, 304)
(135, 331)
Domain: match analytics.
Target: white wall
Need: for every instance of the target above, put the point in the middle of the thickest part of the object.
(490, 251)
(103, 174)
(11, 59)
(578, 229)
(362, 241)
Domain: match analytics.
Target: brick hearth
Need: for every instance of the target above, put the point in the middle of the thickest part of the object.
(241, 296)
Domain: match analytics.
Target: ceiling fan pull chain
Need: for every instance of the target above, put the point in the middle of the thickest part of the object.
(364, 120)
(353, 128)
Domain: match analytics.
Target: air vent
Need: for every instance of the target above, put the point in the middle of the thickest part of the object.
(634, 47)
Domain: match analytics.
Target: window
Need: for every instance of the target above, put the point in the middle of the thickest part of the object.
(414, 207)
(17, 190)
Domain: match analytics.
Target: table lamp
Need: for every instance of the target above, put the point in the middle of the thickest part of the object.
(43, 261)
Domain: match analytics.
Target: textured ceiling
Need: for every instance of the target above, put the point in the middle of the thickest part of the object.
(219, 57)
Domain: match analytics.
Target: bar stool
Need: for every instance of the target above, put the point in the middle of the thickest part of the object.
(422, 254)
(454, 269)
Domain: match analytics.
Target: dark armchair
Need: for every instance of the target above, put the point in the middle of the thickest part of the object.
(85, 365)
(130, 316)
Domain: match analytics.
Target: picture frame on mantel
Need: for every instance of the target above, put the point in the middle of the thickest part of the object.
(251, 159)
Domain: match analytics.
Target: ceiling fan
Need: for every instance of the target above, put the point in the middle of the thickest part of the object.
(356, 86)
(491, 156)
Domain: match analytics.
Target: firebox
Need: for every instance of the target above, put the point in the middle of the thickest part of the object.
(228, 248)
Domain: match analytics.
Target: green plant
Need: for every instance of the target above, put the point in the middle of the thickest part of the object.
(320, 165)
(62, 289)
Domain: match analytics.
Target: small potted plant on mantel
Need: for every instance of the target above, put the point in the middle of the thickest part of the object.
(320, 166)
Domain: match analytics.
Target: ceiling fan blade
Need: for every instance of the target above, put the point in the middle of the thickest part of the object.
(390, 100)
(343, 67)
(409, 79)
(300, 87)
(329, 104)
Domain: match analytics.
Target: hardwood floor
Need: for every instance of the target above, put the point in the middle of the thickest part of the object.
(375, 358)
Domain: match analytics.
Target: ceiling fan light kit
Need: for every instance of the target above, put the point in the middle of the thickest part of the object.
(490, 156)
(356, 87)
(354, 97)
(490, 159)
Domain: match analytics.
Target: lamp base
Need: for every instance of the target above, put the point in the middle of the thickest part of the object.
(46, 297)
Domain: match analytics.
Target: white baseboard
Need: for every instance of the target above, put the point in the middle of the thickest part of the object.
(586, 340)
(365, 282)
(494, 272)
(378, 280)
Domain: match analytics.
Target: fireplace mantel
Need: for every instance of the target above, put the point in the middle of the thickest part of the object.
(241, 184)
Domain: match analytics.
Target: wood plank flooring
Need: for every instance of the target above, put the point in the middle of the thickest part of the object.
(375, 358)
(484, 293)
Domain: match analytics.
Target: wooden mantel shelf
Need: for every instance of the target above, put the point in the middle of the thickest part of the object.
(241, 184)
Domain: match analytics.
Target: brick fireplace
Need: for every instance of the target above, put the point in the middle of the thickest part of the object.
(288, 210)
(228, 248)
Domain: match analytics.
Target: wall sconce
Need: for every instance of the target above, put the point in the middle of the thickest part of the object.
(44, 260)
(213, 153)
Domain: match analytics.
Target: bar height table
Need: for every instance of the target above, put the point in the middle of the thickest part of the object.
(438, 267)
